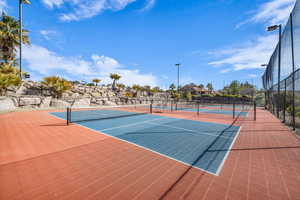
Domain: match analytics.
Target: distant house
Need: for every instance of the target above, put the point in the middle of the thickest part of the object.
(195, 90)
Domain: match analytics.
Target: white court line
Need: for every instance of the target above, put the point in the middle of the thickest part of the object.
(133, 124)
(143, 147)
(227, 153)
(189, 130)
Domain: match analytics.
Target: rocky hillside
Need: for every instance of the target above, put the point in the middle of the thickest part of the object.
(35, 95)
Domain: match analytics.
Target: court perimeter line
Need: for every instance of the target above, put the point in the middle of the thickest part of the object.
(227, 153)
(189, 130)
(166, 156)
(142, 147)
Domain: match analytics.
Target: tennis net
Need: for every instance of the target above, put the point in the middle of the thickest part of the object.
(105, 113)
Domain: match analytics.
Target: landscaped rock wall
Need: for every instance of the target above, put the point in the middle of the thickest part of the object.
(34, 95)
(6, 104)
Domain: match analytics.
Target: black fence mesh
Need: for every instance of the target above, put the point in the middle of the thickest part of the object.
(281, 79)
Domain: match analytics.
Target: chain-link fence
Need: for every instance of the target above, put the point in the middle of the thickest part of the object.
(281, 79)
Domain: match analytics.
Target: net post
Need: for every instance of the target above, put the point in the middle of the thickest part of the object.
(68, 116)
(243, 104)
(233, 110)
(198, 108)
(151, 106)
(254, 107)
(171, 106)
(176, 104)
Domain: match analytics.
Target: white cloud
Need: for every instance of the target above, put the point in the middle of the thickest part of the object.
(45, 62)
(224, 71)
(86, 9)
(3, 5)
(254, 53)
(252, 75)
(47, 34)
(149, 5)
(248, 56)
(275, 11)
(271, 12)
(83, 9)
(53, 3)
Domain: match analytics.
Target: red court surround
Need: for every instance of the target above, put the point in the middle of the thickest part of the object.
(41, 158)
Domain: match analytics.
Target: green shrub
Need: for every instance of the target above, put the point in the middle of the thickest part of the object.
(9, 76)
(57, 85)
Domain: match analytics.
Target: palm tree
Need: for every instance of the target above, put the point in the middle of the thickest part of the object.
(137, 89)
(10, 38)
(210, 87)
(96, 81)
(147, 88)
(201, 86)
(115, 78)
(9, 76)
(234, 87)
(155, 90)
(57, 85)
(120, 86)
(172, 87)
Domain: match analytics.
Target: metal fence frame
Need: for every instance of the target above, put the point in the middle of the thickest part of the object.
(280, 91)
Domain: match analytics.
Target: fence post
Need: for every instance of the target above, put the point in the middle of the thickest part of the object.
(254, 107)
(273, 101)
(233, 114)
(293, 62)
(284, 101)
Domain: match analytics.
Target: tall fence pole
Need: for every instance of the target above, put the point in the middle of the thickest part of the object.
(254, 109)
(273, 101)
(284, 101)
(279, 71)
(266, 99)
(293, 62)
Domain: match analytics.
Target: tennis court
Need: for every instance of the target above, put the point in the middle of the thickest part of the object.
(203, 145)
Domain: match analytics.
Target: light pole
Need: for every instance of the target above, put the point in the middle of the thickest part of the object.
(20, 32)
(273, 28)
(293, 77)
(20, 36)
(177, 65)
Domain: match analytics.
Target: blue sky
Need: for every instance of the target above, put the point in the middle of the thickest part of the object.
(215, 40)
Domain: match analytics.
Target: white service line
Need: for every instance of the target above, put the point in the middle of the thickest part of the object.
(133, 124)
(175, 127)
